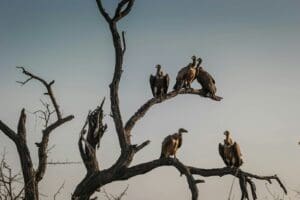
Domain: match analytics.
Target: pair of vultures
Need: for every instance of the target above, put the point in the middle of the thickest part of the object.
(160, 82)
(229, 151)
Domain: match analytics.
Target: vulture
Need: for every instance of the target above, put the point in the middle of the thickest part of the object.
(186, 75)
(206, 80)
(159, 83)
(171, 144)
(230, 152)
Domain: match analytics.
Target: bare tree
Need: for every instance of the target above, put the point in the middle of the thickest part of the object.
(33, 176)
(121, 170)
(10, 183)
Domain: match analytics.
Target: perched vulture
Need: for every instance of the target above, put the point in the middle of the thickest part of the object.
(206, 80)
(159, 83)
(171, 144)
(186, 75)
(230, 152)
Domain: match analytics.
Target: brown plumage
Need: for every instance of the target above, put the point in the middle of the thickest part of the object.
(186, 75)
(171, 144)
(159, 83)
(230, 152)
(206, 80)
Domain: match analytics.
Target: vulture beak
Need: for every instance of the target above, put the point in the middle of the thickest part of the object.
(182, 130)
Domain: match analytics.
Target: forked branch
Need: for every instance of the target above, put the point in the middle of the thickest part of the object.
(30, 175)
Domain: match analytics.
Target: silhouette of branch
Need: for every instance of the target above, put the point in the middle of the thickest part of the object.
(146, 106)
(8, 181)
(58, 191)
(113, 197)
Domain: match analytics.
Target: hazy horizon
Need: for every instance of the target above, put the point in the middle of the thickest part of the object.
(250, 47)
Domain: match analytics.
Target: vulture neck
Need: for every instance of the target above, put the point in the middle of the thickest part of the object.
(193, 65)
(228, 140)
(198, 64)
(159, 72)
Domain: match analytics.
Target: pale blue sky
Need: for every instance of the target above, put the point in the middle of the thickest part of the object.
(252, 49)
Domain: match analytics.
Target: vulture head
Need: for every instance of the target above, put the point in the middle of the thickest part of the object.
(226, 133)
(159, 72)
(182, 130)
(199, 60)
(194, 59)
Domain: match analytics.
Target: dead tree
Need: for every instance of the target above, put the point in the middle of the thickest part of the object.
(33, 176)
(10, 183)
(121, 170)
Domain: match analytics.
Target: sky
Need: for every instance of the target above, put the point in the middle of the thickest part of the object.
(251, 48)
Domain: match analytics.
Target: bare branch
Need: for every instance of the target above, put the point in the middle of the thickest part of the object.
(47, 85)
(59, 190)
(141, 146)
(8, 132)
(8, 181)
(118, 197)
(102, 11)
(146, 106)
(121, 11)
(90, 140)
(63, 163)
(124, 42)
(46, 114)
(43, 145)
(21, 125)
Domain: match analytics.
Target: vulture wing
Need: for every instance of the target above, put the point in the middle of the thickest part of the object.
(167, 142)
(237, 154)
(166, 83)
(221, 152)
(152, 84)
(207, 81)
(182, 72)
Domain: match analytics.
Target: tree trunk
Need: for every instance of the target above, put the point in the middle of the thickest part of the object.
(30, 183)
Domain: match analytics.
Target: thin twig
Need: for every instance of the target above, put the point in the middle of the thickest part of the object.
(59, 190)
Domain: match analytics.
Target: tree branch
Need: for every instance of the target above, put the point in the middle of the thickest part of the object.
(90, 140)
(121, 11)
(43, 145)
(102, 11)
(47, 85)
(146, 106)
(8, 132)
(146, 167)
(58, 191)
(124, 42)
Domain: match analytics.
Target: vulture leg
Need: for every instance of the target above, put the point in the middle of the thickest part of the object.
(243, 185)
